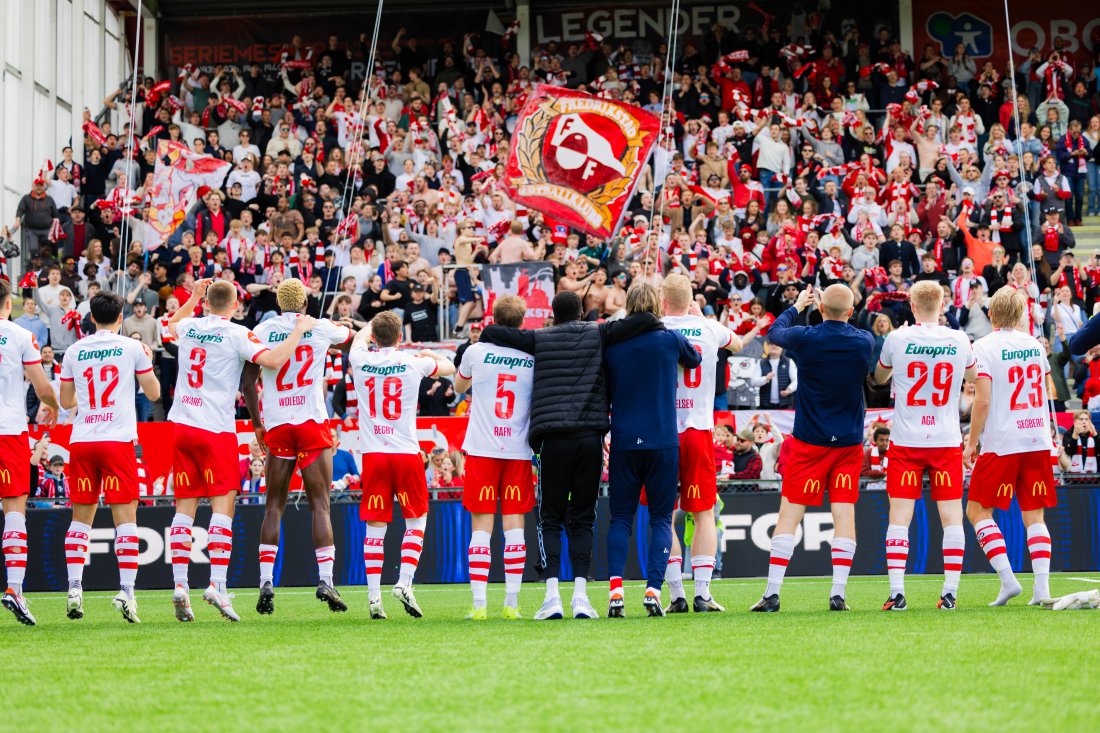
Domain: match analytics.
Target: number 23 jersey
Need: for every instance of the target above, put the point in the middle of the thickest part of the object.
(387, 383)
(1016, 364)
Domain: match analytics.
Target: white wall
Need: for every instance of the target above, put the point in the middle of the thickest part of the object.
(59, 56)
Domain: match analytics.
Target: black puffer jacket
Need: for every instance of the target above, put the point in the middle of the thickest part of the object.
(570, 393)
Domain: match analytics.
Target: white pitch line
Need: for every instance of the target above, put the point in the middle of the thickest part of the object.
(1086, 580)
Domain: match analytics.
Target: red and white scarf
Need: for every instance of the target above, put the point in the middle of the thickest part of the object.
(879, 459)
(1082, 165)
(997, 224)
(1084, 460)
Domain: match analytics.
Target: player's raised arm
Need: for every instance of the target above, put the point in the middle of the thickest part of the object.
(513, 338)
(783, 332)
(37, 377)
(276, 357)
(362, 338)
(146, 377)
(249, 377)
(444, 367)
(188, 309)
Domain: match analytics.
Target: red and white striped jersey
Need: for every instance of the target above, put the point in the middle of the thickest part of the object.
(1017, 365)
(388, 385)
(18, 348)
(929, 361)
(501, 381)
(212, 353)
(695, 387)
(103, 369)
(295, 393)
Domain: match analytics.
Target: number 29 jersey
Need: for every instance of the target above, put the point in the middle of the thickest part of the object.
(929, 361)
(294, 393)
(1016, 364)
(501, 381)
(387, 383)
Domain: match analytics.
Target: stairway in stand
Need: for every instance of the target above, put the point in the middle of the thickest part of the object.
(1088, 238)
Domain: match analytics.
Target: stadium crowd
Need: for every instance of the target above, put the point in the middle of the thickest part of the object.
(820, 154)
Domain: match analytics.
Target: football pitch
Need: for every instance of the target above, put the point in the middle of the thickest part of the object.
(803, 669)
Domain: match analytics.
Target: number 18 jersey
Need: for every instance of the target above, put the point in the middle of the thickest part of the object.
(387, 383)
(501, 381)
(1017, 365)
(928, 362)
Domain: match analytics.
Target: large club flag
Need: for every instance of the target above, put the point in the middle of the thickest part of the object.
(178, 176)
(577, 158)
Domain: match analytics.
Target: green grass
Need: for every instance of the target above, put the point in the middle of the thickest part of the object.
(804, 669)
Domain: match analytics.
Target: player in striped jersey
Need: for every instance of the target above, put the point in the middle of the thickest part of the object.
(928, 363)
(295, 434)
(19, 360)
(212, 353)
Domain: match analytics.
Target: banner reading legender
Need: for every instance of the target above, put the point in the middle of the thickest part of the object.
(747, 520)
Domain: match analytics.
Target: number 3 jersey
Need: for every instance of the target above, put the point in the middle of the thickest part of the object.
(212, 353)
(102, 368)
(929, 361)
(1018, 419)
(501, 381)
(387, 383)
(294, 393)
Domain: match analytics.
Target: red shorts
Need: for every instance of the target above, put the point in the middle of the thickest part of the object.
(303, 442)
(698, 479)
(486, 479)
(15, 466)
(110, 466)
(813, 470)
(1027, 476)
(386, 475)
(205, 463)
(905, 472)
(644, 500)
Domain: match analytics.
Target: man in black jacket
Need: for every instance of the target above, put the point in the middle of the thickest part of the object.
(34, 215)
(569, 417)
(897, 247)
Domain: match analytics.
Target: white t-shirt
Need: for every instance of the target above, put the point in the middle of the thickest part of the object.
(18, 348)
(928, 362)
(387, 383)
(295, 393)
(103, 369)
(501, 382)
(1018, 418)
(695, 387)
(212, 353)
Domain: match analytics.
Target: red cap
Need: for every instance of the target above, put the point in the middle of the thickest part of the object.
(203, 192)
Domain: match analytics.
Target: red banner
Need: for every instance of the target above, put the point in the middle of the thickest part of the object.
(577, 157)
(981, 29)
(532, 281)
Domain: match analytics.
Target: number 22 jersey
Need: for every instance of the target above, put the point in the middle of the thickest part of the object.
(387, 383)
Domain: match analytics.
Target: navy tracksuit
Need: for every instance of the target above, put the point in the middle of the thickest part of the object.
(645, 444)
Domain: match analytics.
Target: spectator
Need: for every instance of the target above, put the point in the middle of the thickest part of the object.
(1080, 444)
(875, 455)
(31, 321)
(778, 380)
(746, 461)
(435, 396)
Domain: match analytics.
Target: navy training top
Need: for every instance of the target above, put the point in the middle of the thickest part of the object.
(833, 360)
(1086, 337)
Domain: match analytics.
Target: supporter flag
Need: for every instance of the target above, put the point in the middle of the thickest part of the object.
(577, 157)
(532, 281)
(178, 175)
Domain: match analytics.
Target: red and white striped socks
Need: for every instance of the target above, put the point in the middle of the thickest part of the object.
(515, 560)
(179, 548)
(268, 553)
(219, 545)
(411, 547)
(674, 576)
(1038, 544)
(897, 554)
(373, 557)
(992, 543)
(954, 546)
(479, 556)
(844, 549)
(782, 549)
(326, 557)
(76, 552)
(702, 568)
(126, 551)
(15, 549)
(616, 587)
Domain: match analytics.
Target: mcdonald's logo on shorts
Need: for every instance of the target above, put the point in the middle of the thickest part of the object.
(374, 501)
(1039, 488)
(843, 481)
(487, 493)
(83, 484)
(908, 478)
(812, 486)
(110, 483)
(403, 498)
(182, 479)
(5, 476)
(511, 492)
(208, 474)
(693, 491)
(1005, 490)
(941, 478)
